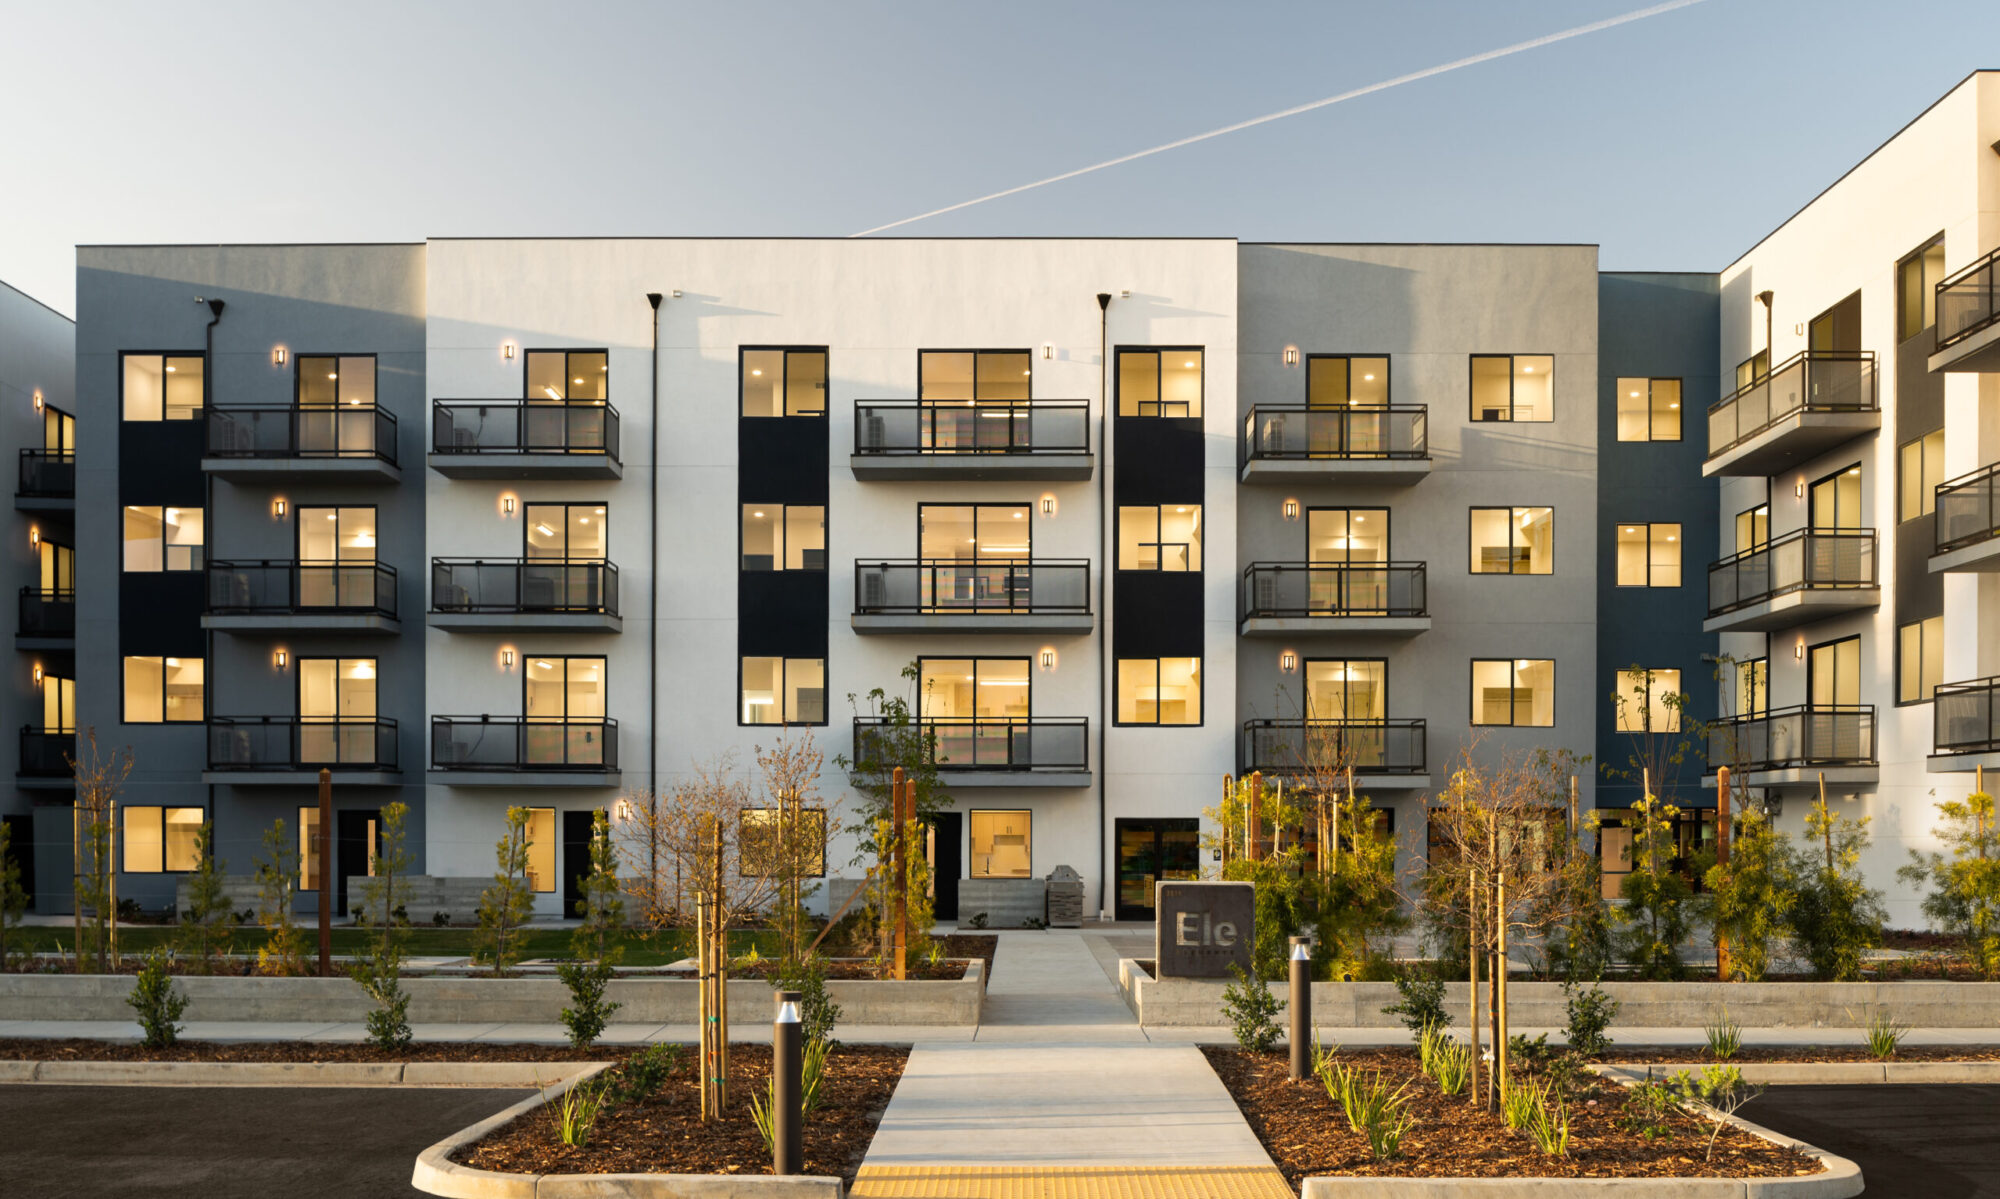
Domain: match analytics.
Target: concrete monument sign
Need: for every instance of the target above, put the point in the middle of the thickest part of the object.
(1201, 929)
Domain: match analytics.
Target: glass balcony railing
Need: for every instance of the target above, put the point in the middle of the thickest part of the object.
(286, 588)
(519, 427)
(291, 743)
(523, 585)
(353, 431)
(909, 427)
(1968, 301)
(47, 613)
(1806, 735)
(1282, 589)
(1802, 560)
(1968, 509)
(984, 743)
(512, 743)
(1017, 587)
(1331, 746)
(48, 474)
(1966, 717)
(1816, 381)
(1296, 431)
(45, 753)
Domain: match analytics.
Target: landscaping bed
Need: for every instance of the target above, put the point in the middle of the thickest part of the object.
(78, 1049)
(1307, 1134)
(1643, 1055)
(843, 969)
(663, 1133)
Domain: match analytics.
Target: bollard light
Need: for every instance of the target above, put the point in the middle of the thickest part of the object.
(1301, 1003)
(788, 1150)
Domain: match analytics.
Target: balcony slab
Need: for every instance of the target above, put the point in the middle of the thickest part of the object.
(1794, 608)
(319, 470)
(1357, 626)
(44, 782)
(1364, 781)
(917, 468)
(525, 778)
(1804, 776)
(527, 466)
(44, 503)
(1979, 352)
(284, 777)
(978, 779)
(1961, 763)
(51, 645)
(956, 623)
(263, 624)
(1285, 472)
(1791, 441)
(527, 622)
(1981, 557)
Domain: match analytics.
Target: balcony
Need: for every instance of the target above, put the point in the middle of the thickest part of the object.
(1966, 726)
(48, 620)
(971, 439)
(517, 595)
(1037, 595)
(1287, 599)
(45, 755)
(1793, 747)
(1290, 443)
(283, 596)
(1968, 523)
(1385, 754)
(355, 444)
(1809, 404)
(993, 752)
(510, 751)
(277, 751)
(48, 481)
(1968, 318)
(513, 439)
(1804, 576)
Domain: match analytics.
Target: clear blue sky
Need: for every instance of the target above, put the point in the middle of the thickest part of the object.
(1674, 142)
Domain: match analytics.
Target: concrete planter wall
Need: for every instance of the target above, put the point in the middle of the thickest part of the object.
(483, 1000)
(1190, 1002)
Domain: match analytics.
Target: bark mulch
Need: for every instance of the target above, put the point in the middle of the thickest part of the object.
(1306, 1132)
(78, 1049)
(663, 1134)
(855, 969)
(1693, 1055)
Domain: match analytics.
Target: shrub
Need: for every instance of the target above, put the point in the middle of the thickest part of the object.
(1448, 1063)
(644, 1073)
(588, 1012)
(506, 905)
(13, 897)
(158, 1002)
(1422, 1004)
(1885, 1036)
(1964, 898)
(573, 1113)
(378, 969)
(1530, 1055)
(204, 930)
(1719, 1087)
(1517, 1102)
(1548, 1124)
(1659, 911)
(1836, 916)
(1590, 1012)
(1751, 897)
(1725, 1037)
(1649, 1110)
(817, 1013)
(284, 948)
(1372, 1109)
(1251, 1007)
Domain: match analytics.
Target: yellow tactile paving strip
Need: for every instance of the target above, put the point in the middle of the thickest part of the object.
(1070, 1182)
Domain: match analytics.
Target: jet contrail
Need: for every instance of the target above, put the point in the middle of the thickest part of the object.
(1412, 77)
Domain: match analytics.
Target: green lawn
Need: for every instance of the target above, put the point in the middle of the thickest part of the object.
(641, 949)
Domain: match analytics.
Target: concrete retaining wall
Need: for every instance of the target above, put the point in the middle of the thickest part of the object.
(483, 1000)
(1189, 1002)
(1007, 902)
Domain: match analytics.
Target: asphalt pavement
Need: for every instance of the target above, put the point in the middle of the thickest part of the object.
(1911, 1142)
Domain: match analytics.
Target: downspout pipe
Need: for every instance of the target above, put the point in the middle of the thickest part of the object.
(653, 598)
(215, 308)
(1104, 515)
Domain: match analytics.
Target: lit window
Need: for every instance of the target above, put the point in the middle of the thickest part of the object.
(541, 850)
(782, 691)
(568, 376)
(972, 689)
(163, 690)
(1649, 555)
(162, 387)
(1000, 845)
(1513, 387)
(1920, 664)
(784, 382)
(762, 849)
(1159, 691)
(1160, 382)
(1343, 381)
(784, 537)
(1648, 701)
(1753, 687)
(1514, 691)
(159, 539)
(347, 381)
(985, 376)
(1513, 541)
(162, 840)
(566, 533)
(1649, 409)
(1922, 469)
(1917, 278)
(1753, 528)
(1754, 369)
(1162, 537)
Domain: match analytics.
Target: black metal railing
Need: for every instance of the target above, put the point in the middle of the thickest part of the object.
(253, 743)
(1802, 560)
(504, 743)
(523, 585)
(1331, 746)
(349, 431)
(903, 427)
(1377, 431)
(1968, 509)
(45, 753)
(1278, 589)
(279, 587)
(47, 613)
(1966, 718)
(982, 743)
(521, 427)
(1806, 735)
(993, 587)
(1822, 381)
(1968, 301)
(49, 474)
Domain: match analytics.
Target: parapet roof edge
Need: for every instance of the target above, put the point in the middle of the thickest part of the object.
(37, 302)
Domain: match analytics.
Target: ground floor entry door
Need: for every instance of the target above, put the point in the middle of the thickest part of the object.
(1157, 849)
(947, 846)
(576, 829)
(357, 836)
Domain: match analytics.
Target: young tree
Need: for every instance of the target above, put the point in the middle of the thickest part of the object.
(99, 777)
(1659, 911)
(205, 924)
(13, 897)
(507, 904)
(1964, 893)
(1577, 945)
(790, 837)
(1835, 915)
(1352, 870)
(1750, 898)
(379, 970)
(657, 893)
(1250, 841)
(595, 951)
(284, 948)
(899, 737)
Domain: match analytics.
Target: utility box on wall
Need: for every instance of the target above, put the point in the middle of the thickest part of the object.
(1202, 929)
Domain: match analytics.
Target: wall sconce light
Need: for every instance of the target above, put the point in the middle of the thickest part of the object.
(280, 658)
(278, 356)
(1048, 658)
(1799, 650)
(507, 350)
(38, 401)
(1291, 509)
(621, 812)
(38, 674)
(34, 537)
(506, 505)
(1291, 355)
(1799, 489)
(1048, 350)
(278, 509)
(1048, 505)
(1288, 662)
(506, 659)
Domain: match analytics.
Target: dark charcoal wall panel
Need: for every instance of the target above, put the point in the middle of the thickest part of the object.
(782, 460)
(161, 614)
(159, 462)
(1159, 460)
(1159, 614)
(782, 613)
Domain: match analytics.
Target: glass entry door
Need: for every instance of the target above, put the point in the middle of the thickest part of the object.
(1160, 849)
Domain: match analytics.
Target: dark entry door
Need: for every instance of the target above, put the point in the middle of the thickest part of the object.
(1154, 850)
(357, 836)
(576, 858)
(947, 863)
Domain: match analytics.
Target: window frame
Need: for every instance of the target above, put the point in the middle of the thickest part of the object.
(1201, 693)
(163, 355)
(1927, 288)
(1027, 507)
(1621, 697)
(604, 661)
(1388, 528)
(977, 353)
(124, 848)
(783, 384)
(1305, 383)
(124, 689)
(601, 508)
(1834, 477)
(1760, 671)
(1471, 389)
(1471, 679)
(555, 850)
(1305, 685)
(528, 352)
(1027, 662)
(1813, 649)
(809, 811)
(784, 661)
(299, 688)
(1026, 814)
(298, 380)
(1680, 423)
(1159, 522)
(777, 559)
(1927, 493)
(1513, 530)
(1754, 370)
(1118, 381)
(1649, 525)
(337, 508)
(199, 566)
(1752, 512)
(1902, 657)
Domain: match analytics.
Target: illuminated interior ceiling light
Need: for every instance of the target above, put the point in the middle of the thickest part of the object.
(551, 392)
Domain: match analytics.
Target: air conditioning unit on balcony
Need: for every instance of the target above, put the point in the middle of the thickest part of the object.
(1266, 593)
(874, 591)
(872, 432)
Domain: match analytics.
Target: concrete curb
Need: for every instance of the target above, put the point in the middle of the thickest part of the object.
(495, 1075)
(437, 1174)
(1779, 1074)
